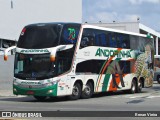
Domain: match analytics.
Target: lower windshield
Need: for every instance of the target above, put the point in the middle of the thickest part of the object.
(29, 66)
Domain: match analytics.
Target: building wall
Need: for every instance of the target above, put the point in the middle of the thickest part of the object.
(15, 14)
(132, 27)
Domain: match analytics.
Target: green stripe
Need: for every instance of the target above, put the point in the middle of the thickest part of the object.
(105, 82)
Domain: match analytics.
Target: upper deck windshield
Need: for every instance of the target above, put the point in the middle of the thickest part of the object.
(48, 35)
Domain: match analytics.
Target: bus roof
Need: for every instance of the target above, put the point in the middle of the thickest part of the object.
(51, 23)
(89, 26)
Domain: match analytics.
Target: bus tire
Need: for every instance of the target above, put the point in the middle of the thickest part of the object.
(139, 87)
(40, 98)
(76, 92)
(88, 91)
(132, 90)
(158, 79)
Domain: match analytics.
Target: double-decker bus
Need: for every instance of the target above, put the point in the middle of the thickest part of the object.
(78, 60)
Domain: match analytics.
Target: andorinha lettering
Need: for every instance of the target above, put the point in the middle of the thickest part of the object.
(112, 53)
(34, 50)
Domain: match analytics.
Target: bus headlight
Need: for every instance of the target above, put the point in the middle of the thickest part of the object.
(15, 90)
(49, 91)
(15, 82)
(51, 83)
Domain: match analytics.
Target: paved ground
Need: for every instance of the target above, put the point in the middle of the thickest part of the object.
(148, 100)
(6, 75)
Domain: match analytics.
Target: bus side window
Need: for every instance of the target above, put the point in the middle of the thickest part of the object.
(92, 41)
(121, 41)
(126, 41)
(103, 40)
(112, 40)
(97, 41)
(84, 42)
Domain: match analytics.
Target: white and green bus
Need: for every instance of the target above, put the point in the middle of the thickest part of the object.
(78, 60)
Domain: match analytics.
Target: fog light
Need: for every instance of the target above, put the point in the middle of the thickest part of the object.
(15, 90)
(50, 91)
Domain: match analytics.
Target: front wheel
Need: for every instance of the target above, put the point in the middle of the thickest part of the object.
(88, 91)
(76, 92)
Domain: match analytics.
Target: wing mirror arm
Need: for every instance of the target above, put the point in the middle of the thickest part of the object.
(6, 52)
(58, 48)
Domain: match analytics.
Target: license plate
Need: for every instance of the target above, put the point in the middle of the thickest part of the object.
(30, 92)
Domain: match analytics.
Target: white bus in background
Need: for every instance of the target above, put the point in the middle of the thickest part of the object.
(157, 68)
(78, 60)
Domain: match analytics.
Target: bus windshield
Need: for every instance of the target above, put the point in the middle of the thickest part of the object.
(30, 66)
(48, 35)
(39, 66)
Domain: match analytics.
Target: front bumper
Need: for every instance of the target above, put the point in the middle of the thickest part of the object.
(46, 91)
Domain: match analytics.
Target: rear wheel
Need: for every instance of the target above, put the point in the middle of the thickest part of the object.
(133, 87)
(139, 86)
(40, 98)
(88, 91)
(76, 92)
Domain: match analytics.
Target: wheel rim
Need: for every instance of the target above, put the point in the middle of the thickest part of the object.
(140, 86)
(75, 91)
(133, 87)
(87, 90)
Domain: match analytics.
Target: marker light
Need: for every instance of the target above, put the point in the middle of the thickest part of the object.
(5, 57)
(52, 58)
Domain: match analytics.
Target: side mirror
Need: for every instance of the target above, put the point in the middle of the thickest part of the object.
(58, 48)
(84, 42)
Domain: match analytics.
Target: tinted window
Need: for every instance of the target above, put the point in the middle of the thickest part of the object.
(39, 37)
(95, 66)
(105, 39)
(91, 66)
(48, 35)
